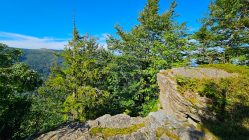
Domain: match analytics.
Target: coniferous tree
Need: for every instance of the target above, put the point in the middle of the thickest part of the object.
(156, 43)
(78, 84)
(228, 21)
(206, 53)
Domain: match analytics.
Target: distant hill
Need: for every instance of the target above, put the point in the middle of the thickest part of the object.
(41, 59)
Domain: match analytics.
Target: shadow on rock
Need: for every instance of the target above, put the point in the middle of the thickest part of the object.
(230, 125)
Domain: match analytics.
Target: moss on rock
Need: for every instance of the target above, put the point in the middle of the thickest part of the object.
(161, 131)
(108, 132)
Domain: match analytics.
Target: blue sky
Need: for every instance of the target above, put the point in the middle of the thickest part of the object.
(48, 23)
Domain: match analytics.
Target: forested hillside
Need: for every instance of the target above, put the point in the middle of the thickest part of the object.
(86, 81)
(41, 59)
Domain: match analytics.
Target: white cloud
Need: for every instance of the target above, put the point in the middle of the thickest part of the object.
(31, 42)
(193, 29)
(102, 40)
(192, 41)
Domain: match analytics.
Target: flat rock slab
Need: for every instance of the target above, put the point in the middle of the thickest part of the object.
(200, 72)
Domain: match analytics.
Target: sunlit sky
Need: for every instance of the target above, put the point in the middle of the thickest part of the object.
(38, 24)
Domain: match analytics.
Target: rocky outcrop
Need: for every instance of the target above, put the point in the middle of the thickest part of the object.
(177, 105)
(157, 125)
(177, 118)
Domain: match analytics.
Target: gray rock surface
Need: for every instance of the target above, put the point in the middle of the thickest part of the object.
(177, 105)
(176, 120)
(200, 72)
(153, 122)
(118, 121)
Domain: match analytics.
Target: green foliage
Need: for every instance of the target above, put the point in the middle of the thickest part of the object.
(156, 43)
(8, 56)
(151, 106)
(206, 54)
(108, 132)
(226, 26)
(42, 116)
(16, 81)
(78, 88)
(186, 84)
(86, 104)
(230, 100)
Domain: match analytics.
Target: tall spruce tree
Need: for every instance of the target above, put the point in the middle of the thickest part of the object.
(157, 42)
(77, 86)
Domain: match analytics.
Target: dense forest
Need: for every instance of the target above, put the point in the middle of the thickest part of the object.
(86, 81)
